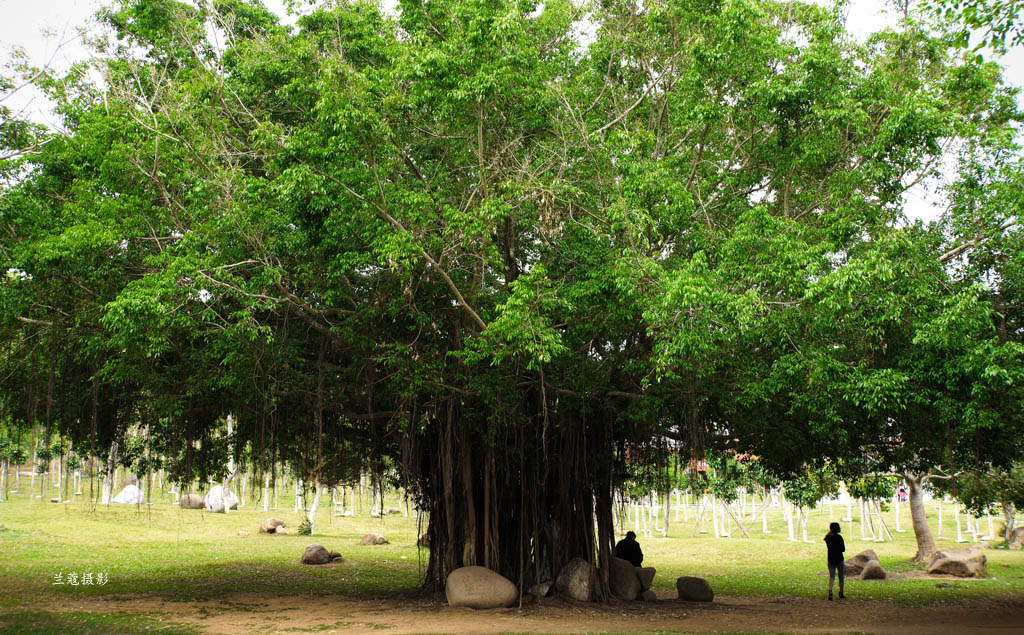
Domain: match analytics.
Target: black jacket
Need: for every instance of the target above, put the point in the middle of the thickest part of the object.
(629, 549)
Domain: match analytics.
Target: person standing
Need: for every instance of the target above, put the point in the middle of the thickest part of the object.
(836, 563)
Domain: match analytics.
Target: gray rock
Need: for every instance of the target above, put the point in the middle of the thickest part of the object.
(335, 556)
(1016, 540)
(242, 532)
(541, 589)
(649, 596)
(872, 571)
(578, 580)
(130, 495)
(855, 565)
(694, 589)
(316, 554)
(373, 539)
(191, 501)
(963, 564)
(129, 480)
(479, 588)
(271, 526)
(623, 579)
(646, 575)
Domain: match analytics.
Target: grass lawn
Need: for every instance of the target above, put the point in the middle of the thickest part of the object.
(175, 555)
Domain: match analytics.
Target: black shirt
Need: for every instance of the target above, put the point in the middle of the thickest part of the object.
(836, 547)
(629, 549)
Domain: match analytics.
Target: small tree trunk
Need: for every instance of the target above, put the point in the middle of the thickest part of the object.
(317, 493)
(923, 535)
(667, 510)
(109, 476)
(787, 509)
(32, 483)
(698, 524)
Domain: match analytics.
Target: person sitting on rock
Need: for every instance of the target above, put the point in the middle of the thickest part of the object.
(629, 549)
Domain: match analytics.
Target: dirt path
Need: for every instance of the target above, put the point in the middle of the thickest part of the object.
(252, 613)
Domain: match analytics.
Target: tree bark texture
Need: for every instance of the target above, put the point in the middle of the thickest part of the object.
(923, 535)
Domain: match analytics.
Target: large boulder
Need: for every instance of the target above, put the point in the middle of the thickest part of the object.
(855, 565)
(479, 588)
(271, 526)
(963, 564)
(217, 500)
(373, 539)
(130, 495)
(316, 554)
(872, 571)
(1016, 540)
(694, 589)
(623, 580)
(191, 501)
(578, 580)
(646, 575)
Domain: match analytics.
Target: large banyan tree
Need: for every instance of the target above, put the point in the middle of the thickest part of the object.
(514, 248)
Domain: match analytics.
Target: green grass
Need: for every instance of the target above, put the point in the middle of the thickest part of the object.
(43, 623)
(164, 552)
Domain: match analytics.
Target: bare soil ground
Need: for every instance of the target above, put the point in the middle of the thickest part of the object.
(258, 613)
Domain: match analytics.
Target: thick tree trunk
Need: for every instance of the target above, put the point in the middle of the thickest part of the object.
(525, 517)
(923, 535)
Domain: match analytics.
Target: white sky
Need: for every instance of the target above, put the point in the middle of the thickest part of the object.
(38, 26)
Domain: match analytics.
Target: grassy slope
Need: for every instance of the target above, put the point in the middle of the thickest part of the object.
(187, 554)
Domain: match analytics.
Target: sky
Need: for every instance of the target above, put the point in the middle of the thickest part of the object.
(46, 30)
